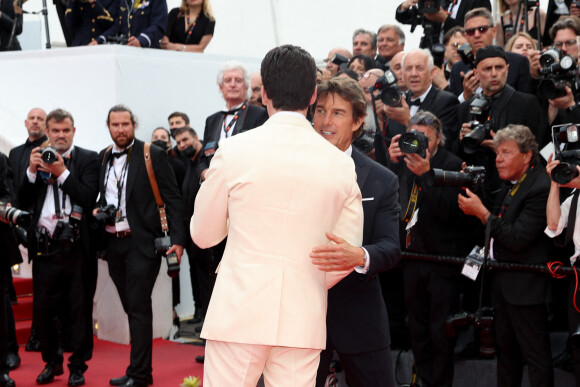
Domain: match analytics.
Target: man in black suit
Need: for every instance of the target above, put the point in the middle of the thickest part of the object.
(61, 185)
(357, 323)
(238, 116)
(448, 16)
(418, 74)
(432, 224)
(131, 233)
(517, 222)
(480, 32)
(505, 106)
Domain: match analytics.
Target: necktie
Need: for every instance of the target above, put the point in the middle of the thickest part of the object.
(416, 102)
(119, 154)
(572, 218)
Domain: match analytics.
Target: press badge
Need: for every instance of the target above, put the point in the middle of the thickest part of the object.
(473, 263)
(122, 225)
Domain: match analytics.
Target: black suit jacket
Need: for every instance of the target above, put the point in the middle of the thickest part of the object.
(357, 317)
(518, 74)
(518, 236)
(250, 118)
(19, 160)
(81, 186)
(411, 14)
(142, 212)
(7, 20)
(10, 252)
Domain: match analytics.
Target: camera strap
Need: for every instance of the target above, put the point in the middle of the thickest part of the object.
(510, 195)
(155, 188)
(412, 205)
(233, 120)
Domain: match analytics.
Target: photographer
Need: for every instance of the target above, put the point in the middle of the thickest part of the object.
(431, 223)
(436, 22)
(61, 186)
(500, 105)
(516, 223)
(563, 221)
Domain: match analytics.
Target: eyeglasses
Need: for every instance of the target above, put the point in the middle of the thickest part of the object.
(366, 75)
(455, 45)
(568, 43)
(481, 29)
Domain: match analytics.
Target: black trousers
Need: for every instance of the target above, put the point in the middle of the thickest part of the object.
(134, 276)
(3, 343)
(431, 295)
(574, 326)
(522, 333)
(199, 271)
(58, 283)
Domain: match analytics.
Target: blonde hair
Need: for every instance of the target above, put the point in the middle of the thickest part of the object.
(205, 8)
(510, 43)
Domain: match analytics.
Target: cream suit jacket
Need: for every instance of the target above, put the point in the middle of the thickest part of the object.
(275, 191)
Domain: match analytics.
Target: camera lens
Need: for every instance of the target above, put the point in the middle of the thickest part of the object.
(563, 173)
(391, 96)
(409, 143)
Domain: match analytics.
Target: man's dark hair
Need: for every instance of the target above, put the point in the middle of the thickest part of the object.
(121, 109)
(289, 77)
(348, 90)
(179, 114)
(59, 115)
(479, 12)
(187, 129)
(567, 21)
(451, 33)
(366, 60)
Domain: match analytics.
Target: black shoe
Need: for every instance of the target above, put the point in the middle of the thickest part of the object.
(130, 382)
(198, 329)
(76, 378)
(195, 320)
(123, 379)
(12, 360)
(48, 373)
(5, 380)
(32, 345)
(200, 359)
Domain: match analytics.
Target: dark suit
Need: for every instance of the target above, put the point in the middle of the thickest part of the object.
(146, 21)
(431, 289)
(439, 102)
(411, 14)
(521, 318)
(133, 264)
(518, 74)
(356, 322)
(508, 107)
(7, 20)
(19, 160)
(87, 22)
(63, 277)
(249, 118)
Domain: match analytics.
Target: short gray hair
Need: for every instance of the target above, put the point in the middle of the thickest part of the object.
(233, 65)
(362, 31)
(523, 136)
(398, 30)
(424, 51)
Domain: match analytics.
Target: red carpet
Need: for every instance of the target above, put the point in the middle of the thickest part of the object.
(171, 363)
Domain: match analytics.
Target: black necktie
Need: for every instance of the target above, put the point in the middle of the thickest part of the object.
(119, 154)
(416, 102)
(572, 218)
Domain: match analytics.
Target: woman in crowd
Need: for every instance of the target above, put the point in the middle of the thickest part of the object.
(522, 43)
(508, 10)
(189, 27)
(360, 63)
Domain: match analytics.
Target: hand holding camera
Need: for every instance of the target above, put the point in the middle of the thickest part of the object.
(470, 84)
(46, 160)
(401, 114)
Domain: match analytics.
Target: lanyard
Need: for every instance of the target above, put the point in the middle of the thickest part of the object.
(451, 6)
(510, 195)
(191, 27)
(233, 121)
(120, 181)
(413, 199)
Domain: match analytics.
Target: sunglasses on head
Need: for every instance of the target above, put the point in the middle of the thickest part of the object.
(481, 29)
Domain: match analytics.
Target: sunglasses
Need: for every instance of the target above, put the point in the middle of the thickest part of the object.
(481, 29)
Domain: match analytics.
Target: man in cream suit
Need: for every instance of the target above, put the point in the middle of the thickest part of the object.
(274, 191)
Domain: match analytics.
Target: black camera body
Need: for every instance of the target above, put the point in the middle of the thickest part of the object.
(566, 149)
(429, 6)
(482, 320)
(340, 60)
(106, 215)
(48, 154)
(467, 55)
(66, 232)
(479, 132)
(414, 141)
(162, 244)
(389, 92)
(472, 177)
(15, 216)
(557, 71)
(366, 141)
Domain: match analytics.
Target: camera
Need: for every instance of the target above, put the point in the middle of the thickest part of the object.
(481, 320)
(340, 60)
(15, 216)
(557, 71)
(472, 177)
(566, 149)
(479, 132)
(389, 92)
(429, 6)
(467, 55)
(366, 141)
(438, 54)
(48, 155)
(118, 39)
(106, 215)
(162, 244)
(414, 142)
